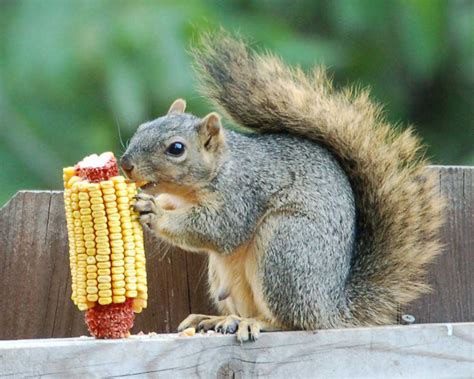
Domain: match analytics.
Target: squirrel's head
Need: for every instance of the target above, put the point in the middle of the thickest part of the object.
(176, 150)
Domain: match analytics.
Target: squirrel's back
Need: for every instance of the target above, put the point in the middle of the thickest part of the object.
(292, 171)
(274, 161)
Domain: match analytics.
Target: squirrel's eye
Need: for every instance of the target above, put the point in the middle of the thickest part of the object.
(176, 149)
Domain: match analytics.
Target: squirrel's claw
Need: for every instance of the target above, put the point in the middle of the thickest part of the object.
(249, 330)
(144, 203)
(147, 220)
(228, 325)
(192, 321)
(147, 208)
(246, 329)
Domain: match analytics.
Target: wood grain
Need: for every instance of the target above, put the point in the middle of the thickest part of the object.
(35, 284)
(452, 275)
(419, 351)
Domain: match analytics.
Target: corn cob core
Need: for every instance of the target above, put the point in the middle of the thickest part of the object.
(107, 256)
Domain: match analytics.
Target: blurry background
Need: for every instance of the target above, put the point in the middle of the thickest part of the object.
(71, 72)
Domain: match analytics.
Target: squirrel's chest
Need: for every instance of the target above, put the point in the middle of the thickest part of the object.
(234, 283)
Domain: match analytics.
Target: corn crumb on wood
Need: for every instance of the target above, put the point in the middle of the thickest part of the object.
(106, 248)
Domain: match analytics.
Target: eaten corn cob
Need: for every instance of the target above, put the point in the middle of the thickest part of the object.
(106, 251)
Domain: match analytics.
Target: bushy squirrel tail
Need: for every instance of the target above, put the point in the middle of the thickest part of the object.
(398, 207)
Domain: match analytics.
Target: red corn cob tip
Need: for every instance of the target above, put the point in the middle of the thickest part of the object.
(96, 168)
(110, 321)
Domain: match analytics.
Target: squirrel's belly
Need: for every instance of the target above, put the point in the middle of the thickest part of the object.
(236, 276)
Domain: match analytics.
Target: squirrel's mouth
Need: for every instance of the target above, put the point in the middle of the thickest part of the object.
(145, 184)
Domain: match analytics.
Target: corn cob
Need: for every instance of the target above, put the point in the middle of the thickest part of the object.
(106, 251)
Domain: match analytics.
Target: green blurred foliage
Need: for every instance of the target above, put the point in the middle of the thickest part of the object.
(73, 72)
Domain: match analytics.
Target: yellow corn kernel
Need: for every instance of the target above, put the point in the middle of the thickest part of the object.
(115, 229)
(91, 260)
(115, 236)
(118, 270)
(105, 293)
(95, 193)
(117, 277)
(102, 258)
(89, 244)
(119, 299)
(118, 250)
(106, 184)
(130, 273)
(83, 306)
(123, 206)
(130, 266)
(129, 260)
(102, 240)
(123, 200)
(104, 279)
(111, 209)
(114, 217)
(129, 253)
(102, 233)
(103, 245)
(136, 307)
(99, 226)
(104, 286)
(109, 198)
(118, 284)
(104, 264)
(91, 187)
(140, 303)
(117, 180)
(97, 207)
(115, 243)
(103, 251)
(116, 257)
(142, 295)
(118, 263)
(108, 191)
(105, 300)
(119, 291)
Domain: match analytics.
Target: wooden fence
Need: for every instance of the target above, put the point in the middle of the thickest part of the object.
(35, 282)
(420, 351)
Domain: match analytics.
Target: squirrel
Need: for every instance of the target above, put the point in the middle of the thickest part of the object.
(322, 216)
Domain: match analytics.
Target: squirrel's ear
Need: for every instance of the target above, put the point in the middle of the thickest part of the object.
(178, 107)
(210, 130)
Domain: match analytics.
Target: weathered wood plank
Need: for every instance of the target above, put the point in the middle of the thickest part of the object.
(420, 351)
(452, 275)
(35, 283)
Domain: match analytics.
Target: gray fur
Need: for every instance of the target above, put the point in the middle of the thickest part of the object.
(306, 264)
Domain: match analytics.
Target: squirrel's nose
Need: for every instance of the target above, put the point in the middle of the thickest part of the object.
(126, 164)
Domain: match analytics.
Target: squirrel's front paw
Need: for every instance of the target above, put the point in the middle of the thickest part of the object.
(148, 209)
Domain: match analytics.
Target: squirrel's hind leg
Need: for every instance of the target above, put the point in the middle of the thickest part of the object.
(247, 329)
